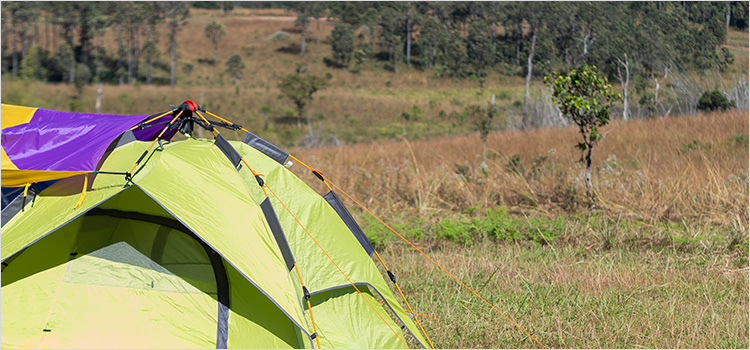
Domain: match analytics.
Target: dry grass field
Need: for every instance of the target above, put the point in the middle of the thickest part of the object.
(673, 169)
(663, 264)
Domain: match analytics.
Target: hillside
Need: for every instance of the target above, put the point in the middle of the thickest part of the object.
(355, 107)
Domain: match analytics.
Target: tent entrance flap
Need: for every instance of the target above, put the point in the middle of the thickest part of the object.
(121, 261)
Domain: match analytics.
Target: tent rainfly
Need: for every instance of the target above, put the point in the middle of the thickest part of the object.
(190, 244)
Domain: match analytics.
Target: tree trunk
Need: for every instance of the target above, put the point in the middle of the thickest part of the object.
(216, 53)
(434, 56)
(55, 34)
(99, 97)
(586, 45)
(528, 78)
(98, 57)
(72, 78)
(624, 82)
(484, 154)
(519, 36)
(221, 4)
(494, 36)
(171, 59)
(15, 55)
(299, 119)
(589, 187)
(131, 43)
(148, 72)
(657, 85)
(309, 125)
(35, 37)
(304, 32)
(137, 53)
(317, 30)
(24, 44)
(408, 41)
(46, 34)
(395, 61)
(729, 12)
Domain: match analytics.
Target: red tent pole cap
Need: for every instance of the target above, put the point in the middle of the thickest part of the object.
(192, 105)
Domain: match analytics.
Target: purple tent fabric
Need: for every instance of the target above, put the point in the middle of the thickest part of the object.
(150, 133)
(64, 141)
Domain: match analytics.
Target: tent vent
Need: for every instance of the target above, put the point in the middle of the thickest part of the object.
(229, 151)
(266, 147)
(278, 233)
(340, 209)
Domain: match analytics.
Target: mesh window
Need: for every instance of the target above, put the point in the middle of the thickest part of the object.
(142, 255)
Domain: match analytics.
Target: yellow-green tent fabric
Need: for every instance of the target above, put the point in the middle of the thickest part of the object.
(191, 253)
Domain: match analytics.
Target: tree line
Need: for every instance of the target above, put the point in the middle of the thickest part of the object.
(62, 41)
(638, 44)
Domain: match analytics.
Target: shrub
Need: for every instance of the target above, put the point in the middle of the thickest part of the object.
(279, 36)
(714, 100)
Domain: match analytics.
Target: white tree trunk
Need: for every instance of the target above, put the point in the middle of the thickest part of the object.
(625, 82)
(657, 85)
(99, 97)
(729, 12)
(528, 78)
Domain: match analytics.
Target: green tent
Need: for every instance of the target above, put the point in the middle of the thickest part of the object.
(192, 250)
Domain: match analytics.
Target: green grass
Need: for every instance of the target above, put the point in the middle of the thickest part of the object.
(575, 297)
(497, 225)
(572, 281)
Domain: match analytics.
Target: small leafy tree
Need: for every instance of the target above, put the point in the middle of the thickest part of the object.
(416, 114)
(713, 101)
(300, 89)
(234, 68)
(342, 43)
(585, 96)
(215, 31)
(482, 118)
